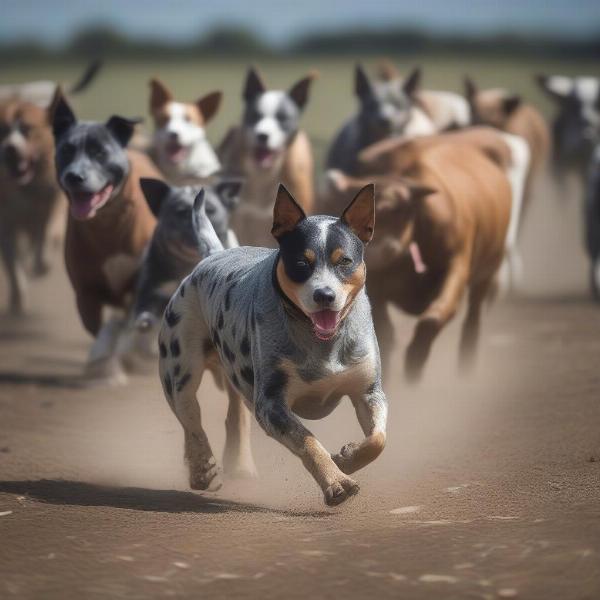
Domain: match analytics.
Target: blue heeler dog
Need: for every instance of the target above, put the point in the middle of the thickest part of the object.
(292, 330)
(179, 241)
(386, 108)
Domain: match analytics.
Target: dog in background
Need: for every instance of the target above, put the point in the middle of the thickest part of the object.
(31, 203)
(576, 122)
(447, 110)
(267, 148)
(180, 239)
(387, 107)
(292, 331)
(508, 112)
(180, 147)
(108, 227)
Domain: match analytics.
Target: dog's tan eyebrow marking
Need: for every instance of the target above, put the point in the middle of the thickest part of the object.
(310, 255)
(335, 256)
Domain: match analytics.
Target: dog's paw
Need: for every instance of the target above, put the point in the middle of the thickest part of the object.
(104, 373)
(205, 476)
(344, 459)
(340, 491)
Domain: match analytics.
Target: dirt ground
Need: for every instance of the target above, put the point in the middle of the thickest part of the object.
(489, 487)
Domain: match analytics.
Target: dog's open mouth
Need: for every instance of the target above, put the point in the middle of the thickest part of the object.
(265, 157)
(176, 152)
(84, 205)
(325, 323)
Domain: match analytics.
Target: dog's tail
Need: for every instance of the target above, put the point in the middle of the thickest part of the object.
(88, 76)
(206, 236)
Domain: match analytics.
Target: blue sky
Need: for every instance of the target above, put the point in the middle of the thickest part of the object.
(54, 21)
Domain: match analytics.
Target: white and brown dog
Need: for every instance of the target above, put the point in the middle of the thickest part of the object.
(267, 148)
(180, 147)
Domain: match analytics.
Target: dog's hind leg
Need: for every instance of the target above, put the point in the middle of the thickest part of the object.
(470, 329)
(436, 316)
(237, 456)
(182, 342)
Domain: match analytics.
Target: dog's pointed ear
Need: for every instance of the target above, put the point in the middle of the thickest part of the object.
(510, 104)
(61, 114)
(362, 84)
(159, 95)
(359, 215)
(287, 213)
(386, 70)
(228, 191)
(299, 91)
(122, 128)
(411, 83)
(209, 105)
(155, 191)
(470, 88)
(254, 85)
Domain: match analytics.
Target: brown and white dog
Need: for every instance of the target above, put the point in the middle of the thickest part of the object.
(266, 149)
(508, 112)
(180, 147)
(443, 208)
(31, 204)
(109, 224)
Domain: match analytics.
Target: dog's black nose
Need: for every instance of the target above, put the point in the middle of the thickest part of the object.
(324, 296)
(74, 178)
(11, 152)
(263, 138)
(173, 136)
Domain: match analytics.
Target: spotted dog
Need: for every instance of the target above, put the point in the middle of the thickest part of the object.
(293, 332)
(179, 240)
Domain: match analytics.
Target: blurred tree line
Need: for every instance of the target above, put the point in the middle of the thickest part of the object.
(106, 42)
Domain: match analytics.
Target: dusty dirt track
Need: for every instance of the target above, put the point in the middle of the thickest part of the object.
(497, 477)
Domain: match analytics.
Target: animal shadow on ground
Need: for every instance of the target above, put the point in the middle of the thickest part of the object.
(77, 493)
(42, 380)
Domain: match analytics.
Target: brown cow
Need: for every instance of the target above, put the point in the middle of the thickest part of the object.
(443, 210)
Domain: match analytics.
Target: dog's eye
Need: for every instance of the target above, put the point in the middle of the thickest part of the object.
(344, 261)
(67, 152)
(24, 128)
(302, 263)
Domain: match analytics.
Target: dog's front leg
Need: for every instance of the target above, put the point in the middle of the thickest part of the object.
(281, 424)
(438, 313)
(16, 278)
(371, 411)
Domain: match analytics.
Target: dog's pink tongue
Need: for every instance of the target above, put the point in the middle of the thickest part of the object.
(325, 322)
(83, 206)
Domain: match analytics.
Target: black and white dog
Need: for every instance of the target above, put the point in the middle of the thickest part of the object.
(578, 117)
(292, 330)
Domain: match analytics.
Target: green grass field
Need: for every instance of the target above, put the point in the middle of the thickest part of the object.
(122, 87)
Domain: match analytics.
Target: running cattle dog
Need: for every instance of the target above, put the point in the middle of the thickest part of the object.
(267, 148)
(292, 329)
(109, 223)
(30, 200)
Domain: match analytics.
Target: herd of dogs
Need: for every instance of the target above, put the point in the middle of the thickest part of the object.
(238, 262)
